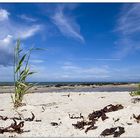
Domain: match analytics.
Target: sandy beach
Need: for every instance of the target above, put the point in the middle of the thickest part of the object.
(56, 112)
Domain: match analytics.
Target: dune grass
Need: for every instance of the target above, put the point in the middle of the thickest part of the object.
(135, 93)
(21, 73)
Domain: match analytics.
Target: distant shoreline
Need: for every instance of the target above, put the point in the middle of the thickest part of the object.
(76, 87)
(72, 83)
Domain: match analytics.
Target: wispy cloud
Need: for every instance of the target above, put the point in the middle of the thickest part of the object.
(27, 18)
(94, 59)
(28, 31)
(128, 29)
(108, 59)
(66, 24)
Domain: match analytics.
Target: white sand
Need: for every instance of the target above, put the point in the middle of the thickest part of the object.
(55, 107)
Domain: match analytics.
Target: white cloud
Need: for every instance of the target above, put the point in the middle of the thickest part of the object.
(85, 71)
(66, 24)
(6, 50)
(128, 29)
(18, 30)
(36, 61)
(3, 14)
(10, 31)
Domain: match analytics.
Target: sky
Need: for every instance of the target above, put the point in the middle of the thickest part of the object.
(81, 41)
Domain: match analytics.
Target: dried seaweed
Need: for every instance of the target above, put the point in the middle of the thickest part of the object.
(116, 131)
(111, 108)
(97, 114)
(80, 124)
(30, 119)
(93, 117)
(101, 113)
(14, 127)
(3, 118)
(137, 118)
(92, 127)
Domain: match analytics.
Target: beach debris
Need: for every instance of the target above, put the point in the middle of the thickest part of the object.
(16, 118)
(97, 114)
(116, 120)
(19, 118)
(76, 117)
(3, 118)
(14, 127)
(129, 123)
(135, 100)
(137, 118)
(54, 123)
(37, 120)
(30, 119)
(94, 116)
(102, 112)
(80, 124)
(110, 108)
(102, 97)
(115, 131)
(43, 109)
(23, 110)
(92, 127)
(68, 95)
(12, 136)
(17, 127)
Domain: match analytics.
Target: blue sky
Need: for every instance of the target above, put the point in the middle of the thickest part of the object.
(84, 42)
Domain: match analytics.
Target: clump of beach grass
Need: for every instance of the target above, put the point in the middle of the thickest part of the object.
(137, 92)
(21, 73)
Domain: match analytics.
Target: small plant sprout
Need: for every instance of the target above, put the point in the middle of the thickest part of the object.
(21, 73)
